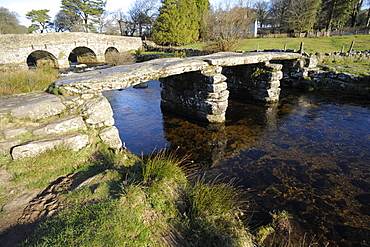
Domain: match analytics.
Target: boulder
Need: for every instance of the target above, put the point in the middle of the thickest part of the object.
(110, 136)
(141, 85)
(5, 176)
(63, 125)
(98, 112)
(42, 106)
(34, 148)
(7, 145)
(10, 133)
(19, 201)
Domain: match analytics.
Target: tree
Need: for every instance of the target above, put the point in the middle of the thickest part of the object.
(39, 19)
(228, 22)
(9, 22)
(102, 22)
(301, 15)
(65, 23)
(278, 12)
(368, 14)
(335, 13)
(87, 11)
(177, 22)
(355, 13)
(203, 8)
(120, 18)
(142, 14)
(262, 15)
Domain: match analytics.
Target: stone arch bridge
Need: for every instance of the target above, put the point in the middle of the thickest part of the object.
(198, 87)
(60, 49)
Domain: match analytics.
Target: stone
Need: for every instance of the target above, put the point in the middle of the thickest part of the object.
(10, 133)
(7, 145)
(34, 148)
(110, 136)
(347, 77)
(5, 176)
(98, 112)
(311, 62)
(141, 85)
(19, 201)
(63, 125)
(44, 106)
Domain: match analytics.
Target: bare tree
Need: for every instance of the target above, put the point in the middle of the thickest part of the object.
(102, 22)
(262, 8)
(120, 18)
(142, 13)
(228, 22)
(278, 13)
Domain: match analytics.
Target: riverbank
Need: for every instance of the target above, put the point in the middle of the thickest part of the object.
(107, 197)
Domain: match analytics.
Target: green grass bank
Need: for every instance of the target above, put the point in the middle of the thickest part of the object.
(311, 45)
(119, 199)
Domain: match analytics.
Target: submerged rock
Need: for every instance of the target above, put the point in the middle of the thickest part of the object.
(141, 85)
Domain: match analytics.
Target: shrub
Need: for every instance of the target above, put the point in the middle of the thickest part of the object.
(25, 81)
(180, 54)
(120, 58)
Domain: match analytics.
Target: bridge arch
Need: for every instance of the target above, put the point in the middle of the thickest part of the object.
(82, 54)
(42, 58)
(110, 53)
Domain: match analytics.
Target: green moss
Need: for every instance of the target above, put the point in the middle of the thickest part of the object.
(258, 71)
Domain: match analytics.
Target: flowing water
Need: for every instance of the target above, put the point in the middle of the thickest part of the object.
(307, 154)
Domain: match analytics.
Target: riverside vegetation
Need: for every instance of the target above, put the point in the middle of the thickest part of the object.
(123, 200)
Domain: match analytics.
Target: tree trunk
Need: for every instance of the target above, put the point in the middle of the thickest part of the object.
(330, 19)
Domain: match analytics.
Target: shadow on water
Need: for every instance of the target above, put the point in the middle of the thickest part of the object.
(307, 155)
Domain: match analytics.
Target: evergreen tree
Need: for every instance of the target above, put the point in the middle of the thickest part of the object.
(335, 13)
(301, 15)
(203, 7)
(177, 22)
(39, 19)
(87, 11)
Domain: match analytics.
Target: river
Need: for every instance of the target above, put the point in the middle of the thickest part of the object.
(307, 154)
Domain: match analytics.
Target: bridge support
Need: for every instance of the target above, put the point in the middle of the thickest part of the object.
(202, 95)
(255, 81)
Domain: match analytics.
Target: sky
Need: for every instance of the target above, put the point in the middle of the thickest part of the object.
(23, 6)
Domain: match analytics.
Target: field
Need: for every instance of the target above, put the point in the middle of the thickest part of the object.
(311, 45)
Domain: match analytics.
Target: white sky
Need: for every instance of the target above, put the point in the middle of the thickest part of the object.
(23, 6)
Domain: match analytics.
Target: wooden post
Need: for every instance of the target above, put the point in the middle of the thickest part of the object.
(351, 48)
(257, 47)
(301, 49)
(285, 47)
(342, 49)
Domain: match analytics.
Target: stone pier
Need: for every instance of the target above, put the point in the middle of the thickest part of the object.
(256, 82)
(202, 95)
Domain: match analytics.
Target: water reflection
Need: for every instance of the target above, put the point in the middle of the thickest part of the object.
(307, 154)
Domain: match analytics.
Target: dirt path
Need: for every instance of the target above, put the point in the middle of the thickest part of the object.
(18, 225)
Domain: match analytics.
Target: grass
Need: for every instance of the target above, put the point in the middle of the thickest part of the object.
(354, 65)
(311, 45)
(128, 201)
(24, 81)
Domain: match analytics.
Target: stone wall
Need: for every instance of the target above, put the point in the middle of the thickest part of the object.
(36, 122)
(306, 74)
